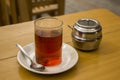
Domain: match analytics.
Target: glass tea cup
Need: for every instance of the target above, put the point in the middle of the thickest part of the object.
(48, 41)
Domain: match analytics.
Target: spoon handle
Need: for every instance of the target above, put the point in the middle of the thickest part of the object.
(22, 51)
(70, 27)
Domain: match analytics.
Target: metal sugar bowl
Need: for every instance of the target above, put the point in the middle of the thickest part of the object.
(87, 34)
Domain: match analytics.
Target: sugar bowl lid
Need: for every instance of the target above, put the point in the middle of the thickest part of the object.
(87, 28)
(87, 25)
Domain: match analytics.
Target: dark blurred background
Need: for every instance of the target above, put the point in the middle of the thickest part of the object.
(82, 5)
(16, 11)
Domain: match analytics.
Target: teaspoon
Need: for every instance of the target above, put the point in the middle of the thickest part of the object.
(70, 27)
(33, 65)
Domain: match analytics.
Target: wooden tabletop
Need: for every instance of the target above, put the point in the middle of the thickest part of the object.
(101, 64)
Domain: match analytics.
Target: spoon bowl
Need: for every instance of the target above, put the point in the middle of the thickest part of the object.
(33, 65)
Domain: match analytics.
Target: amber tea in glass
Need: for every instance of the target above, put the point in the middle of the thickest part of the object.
(48, 41)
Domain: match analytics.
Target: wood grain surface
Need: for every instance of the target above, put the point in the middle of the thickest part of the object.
(101, 64)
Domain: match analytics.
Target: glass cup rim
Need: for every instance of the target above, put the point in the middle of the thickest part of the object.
(59, 26)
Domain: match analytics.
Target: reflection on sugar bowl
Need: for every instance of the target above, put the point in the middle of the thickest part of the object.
(86, 34)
